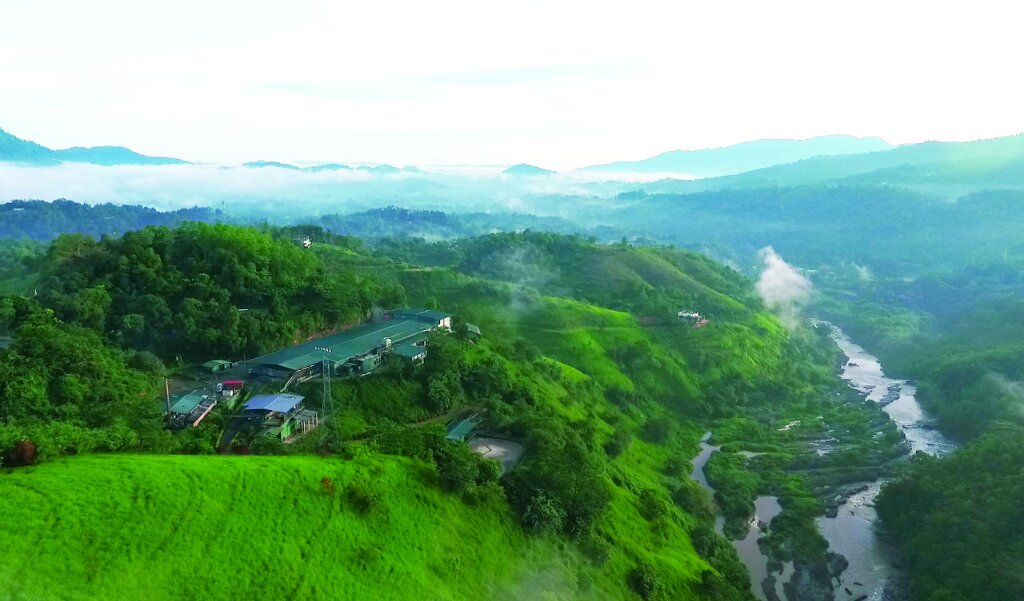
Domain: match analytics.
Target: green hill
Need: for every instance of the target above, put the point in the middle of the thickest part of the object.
(178, 527)
(582, 359)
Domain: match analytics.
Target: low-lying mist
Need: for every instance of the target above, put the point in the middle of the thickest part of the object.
(296, 194)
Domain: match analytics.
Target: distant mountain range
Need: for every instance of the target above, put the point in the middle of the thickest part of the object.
(378, 169)
(14, 149)
(943, 168)
(714, 162)
(528, 170)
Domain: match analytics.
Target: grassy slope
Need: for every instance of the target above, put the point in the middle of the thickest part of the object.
(662, 365)
(180, 527)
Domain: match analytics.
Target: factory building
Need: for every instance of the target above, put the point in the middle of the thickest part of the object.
(358, 350)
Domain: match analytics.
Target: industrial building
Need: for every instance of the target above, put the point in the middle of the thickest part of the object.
(355, 351)
(281, 415)
(191, 409)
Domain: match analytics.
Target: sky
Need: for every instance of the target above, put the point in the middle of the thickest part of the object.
(559, 84)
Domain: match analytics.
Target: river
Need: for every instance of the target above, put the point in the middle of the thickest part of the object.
(765, 509)
(852, 532)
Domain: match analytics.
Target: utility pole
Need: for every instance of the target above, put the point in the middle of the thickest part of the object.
(327, 402)
(167, 399)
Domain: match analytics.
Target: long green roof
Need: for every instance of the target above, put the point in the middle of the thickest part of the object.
(340, 347)
(187, 403)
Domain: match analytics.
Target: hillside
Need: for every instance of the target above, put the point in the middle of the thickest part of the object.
(178, 527)
(746, 156)
(16, 150)
(583, 359)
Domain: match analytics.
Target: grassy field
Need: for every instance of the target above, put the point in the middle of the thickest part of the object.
(181, 527)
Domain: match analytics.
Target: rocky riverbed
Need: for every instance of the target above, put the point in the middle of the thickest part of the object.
(850, 528)
(858, 565)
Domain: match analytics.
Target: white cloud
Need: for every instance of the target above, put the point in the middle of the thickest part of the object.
(782, 287)
(558, 84)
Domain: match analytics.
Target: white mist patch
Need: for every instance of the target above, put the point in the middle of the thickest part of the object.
(863, 273)
(782, 287)
(1012, 389)
(283, 191)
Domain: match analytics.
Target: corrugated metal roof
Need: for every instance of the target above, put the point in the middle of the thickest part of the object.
(425, 314)
(342, 346)
(187, 403)
(460, 430)
(410, 350)
(281, 403)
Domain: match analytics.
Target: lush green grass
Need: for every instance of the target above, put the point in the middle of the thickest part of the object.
(180, 527)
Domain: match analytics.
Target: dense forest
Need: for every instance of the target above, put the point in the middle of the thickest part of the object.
(42, 220)
(959, 520)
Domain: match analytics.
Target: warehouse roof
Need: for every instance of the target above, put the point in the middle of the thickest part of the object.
(281, 403)
(342, 346)
(410, 350)
(462, 429)
(425, 314)
(187, 403)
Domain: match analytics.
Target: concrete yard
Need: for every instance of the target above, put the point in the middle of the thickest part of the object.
(508, 452)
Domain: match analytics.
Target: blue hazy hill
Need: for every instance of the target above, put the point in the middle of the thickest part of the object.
(747, 156)
(525, 169)
(15, 149)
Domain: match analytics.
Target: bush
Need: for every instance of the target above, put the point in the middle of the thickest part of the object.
(692, 499)
(460, 469)
(543, 516)
(597, 548)
(618, 443)
(652, 506)
(488, 472)
(645, 580)
(366, 497)
(659, 430)
(23, 453)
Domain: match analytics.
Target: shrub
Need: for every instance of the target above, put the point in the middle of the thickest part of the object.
(652, 506)
(692, 499)
(365, 497)
(488, 471)
(456, 466)
(645, 580)
(618, 443)
(543, 516)
(23, 453)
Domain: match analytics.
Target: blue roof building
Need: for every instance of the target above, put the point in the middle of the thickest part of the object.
(278, 403)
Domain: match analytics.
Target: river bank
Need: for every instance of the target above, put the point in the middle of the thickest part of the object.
(852, 532)
(844, 456)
